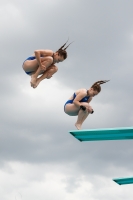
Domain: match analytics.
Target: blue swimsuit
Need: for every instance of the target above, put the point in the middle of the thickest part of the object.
(85, 99)
(30, 58)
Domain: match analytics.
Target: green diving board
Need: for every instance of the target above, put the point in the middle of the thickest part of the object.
(122, 181)
(122, 133)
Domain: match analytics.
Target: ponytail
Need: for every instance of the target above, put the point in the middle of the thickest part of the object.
(96, 86)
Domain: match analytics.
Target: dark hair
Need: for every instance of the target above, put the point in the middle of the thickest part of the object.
(62, 52)
(96, 86)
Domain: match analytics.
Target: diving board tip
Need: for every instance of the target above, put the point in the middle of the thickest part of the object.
(123, 181)
(119, 133)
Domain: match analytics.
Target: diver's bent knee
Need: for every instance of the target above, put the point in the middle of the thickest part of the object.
(90, 109)
(53, 67)
(49, 59)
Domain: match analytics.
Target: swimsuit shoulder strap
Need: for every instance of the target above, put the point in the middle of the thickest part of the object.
(74, 95)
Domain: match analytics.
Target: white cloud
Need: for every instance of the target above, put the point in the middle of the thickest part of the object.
(25, 181)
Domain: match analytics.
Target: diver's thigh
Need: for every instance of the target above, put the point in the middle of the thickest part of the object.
(71, 109)
(30, 65)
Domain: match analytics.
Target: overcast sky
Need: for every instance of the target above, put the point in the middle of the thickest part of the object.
(39, 159)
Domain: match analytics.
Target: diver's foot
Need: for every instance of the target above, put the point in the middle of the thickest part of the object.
(33, 81)
(37, 83)
(78, 126)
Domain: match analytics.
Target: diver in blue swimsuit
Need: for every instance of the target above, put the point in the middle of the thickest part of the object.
(42, 62)
(78, 104)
